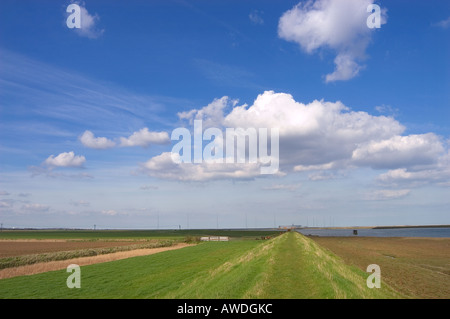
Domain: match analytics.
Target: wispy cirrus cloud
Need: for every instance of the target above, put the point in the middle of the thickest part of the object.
(387, 110)
(112, 212)
(387, 194)
(255, 17)
(51, 173)
(288, 187)
(63, 98)
(35, 207)
(67, 107)
(444, 24)
(225, 74)
(80, 203)
(109, 212)
(5, 203)
(148, 187)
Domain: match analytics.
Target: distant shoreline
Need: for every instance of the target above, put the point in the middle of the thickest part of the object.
(222, 229)
(412, 226)
(380, 227)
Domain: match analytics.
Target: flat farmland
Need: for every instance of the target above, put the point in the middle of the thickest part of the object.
(282, 267)
(131, 234)
(29, 248)
(19, 247)
(416, 267)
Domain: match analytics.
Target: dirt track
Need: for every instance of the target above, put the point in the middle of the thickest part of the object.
(57, 265)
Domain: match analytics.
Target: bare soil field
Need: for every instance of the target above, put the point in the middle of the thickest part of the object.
(416, 267)
(82, 261)
(19, 247)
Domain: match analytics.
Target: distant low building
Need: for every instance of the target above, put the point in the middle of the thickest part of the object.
(214, 238)
(288, 228)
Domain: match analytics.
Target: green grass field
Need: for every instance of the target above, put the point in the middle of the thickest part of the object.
(287, 266)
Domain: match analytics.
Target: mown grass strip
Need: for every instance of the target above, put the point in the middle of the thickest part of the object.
(301, 269)
(161, 275)
(231, 279)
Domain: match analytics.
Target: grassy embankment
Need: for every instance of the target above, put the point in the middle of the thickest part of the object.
(288, 266)
(299, 268)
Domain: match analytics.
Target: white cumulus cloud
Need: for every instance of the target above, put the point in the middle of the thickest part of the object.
(89, 140)
(325, 138)
(313, 136)
(66, 159)
(89, 23)
(212, 114)
(144, 138)
(162, 166)
(399, 151)
(339, 25)
(438, 174)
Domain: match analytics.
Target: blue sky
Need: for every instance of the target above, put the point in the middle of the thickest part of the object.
(86, 114)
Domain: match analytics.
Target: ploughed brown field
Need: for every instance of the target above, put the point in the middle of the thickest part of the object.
(19, 247)
(416, 267)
